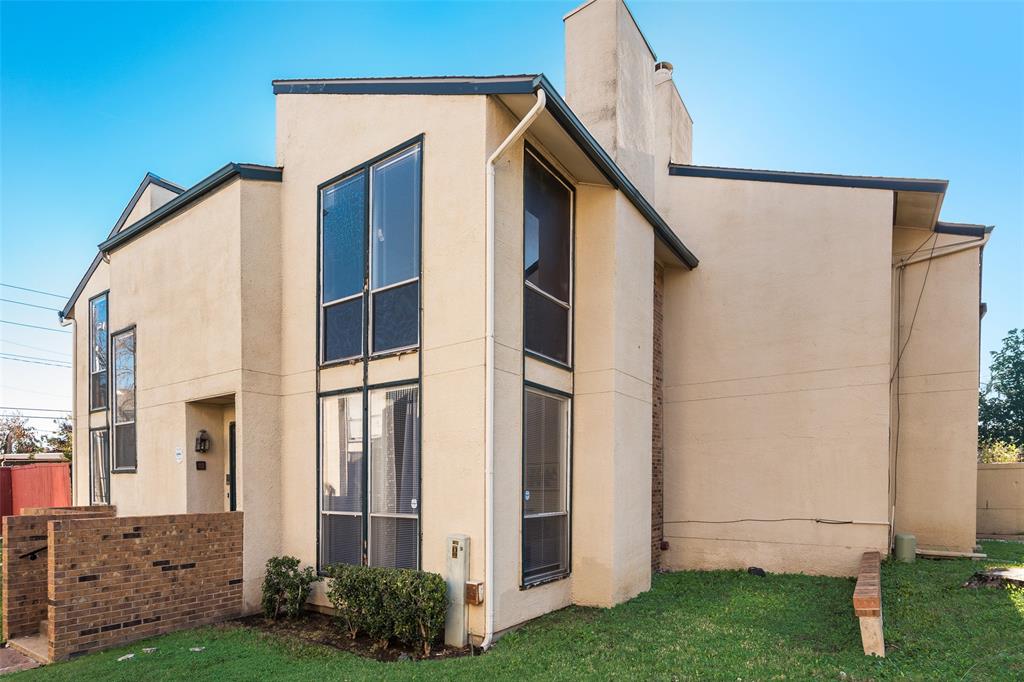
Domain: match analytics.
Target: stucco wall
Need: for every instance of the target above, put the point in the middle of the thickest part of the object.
(777, 376)
(936, 416)
(1001, 498)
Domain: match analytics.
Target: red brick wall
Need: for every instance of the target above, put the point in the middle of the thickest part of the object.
(118, 580)
(24, 579)
(657, 413)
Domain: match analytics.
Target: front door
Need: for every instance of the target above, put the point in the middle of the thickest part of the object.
(232, 491)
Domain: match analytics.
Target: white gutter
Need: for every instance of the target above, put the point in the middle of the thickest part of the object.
(516, 133)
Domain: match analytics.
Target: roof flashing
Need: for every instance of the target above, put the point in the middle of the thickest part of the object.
(818, 179)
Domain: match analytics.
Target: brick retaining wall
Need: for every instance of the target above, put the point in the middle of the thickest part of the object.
(25, 579)
(118, 580)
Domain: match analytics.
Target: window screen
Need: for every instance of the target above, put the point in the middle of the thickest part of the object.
(385, 235)
(389, 490)
(124, 401)
(547, 264)
(99, 466)
(98, 351)
(394, 477)
(342, 473)
(545, 485)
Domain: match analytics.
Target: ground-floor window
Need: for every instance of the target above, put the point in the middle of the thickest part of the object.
(546, 417)
(99, 466)
(370, 477)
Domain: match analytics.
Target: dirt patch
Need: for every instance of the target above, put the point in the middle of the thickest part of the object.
(997, 577)
(318, 628)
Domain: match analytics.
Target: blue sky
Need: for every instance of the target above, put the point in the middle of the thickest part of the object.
(94, 95)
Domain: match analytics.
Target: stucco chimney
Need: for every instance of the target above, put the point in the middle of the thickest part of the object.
(609, 83)
(673, 127)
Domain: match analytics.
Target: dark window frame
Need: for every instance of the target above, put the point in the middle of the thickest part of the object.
(364, 391)
(367, 294)
(524, 583)
(114, 468)
(569, 305)
(92, 472)
(92, 353)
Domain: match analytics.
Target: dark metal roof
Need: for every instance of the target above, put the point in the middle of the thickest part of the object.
(965, 229)
(147, 180)
(822, 179)
(118, 237)
(501, 85)
(246, 171)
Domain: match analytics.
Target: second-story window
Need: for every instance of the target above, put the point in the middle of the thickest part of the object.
(370, 241)
(98, 352)
(547, 266)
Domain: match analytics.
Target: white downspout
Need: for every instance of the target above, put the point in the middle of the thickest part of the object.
(516, 133)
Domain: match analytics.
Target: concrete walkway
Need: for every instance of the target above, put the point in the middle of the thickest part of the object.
(11, 661)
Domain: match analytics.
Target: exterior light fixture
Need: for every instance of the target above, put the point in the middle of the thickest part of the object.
(202, 441)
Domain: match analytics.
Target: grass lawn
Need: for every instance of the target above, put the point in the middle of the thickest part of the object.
(718, 625)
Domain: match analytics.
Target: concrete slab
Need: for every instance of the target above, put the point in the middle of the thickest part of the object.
(12, 661)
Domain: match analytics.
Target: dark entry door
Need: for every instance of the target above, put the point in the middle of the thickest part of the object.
(232, 488)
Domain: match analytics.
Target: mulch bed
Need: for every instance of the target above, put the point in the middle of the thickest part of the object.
(997, 577)
(318, 628)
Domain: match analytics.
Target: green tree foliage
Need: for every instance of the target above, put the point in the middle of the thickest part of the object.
(1001, 401)
(61, 440)
(16, 436)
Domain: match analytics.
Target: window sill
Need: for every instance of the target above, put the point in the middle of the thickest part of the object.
(546, 360)
(124, 471)
(545, 581)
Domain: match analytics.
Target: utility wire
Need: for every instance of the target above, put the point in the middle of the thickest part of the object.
(36, 326)
(28, 390)
(34, 291)
(38, 416)
(34, 357)
(30, 305)
(33, 409)
(35, 362)
(25, 345)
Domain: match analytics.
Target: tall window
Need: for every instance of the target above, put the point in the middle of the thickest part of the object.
(370, 242)
(98, 350)
(545, 486)
(123, 345)
(547, 228)
(99, 466)
(370, 506)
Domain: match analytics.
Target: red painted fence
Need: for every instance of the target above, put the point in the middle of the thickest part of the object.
(34, 485)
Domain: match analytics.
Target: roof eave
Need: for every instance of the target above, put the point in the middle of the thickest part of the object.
(816, 179)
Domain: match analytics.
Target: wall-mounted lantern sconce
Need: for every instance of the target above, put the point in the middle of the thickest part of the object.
(202, 441)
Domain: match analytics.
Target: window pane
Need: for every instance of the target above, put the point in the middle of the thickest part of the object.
(341, 465)
(99, 467)
(98, 350)
(545, 547)
(343, 330)
(396, 316)
(394, 451)
(395, 219)
(124, 377)
(99, 390)
(124, 446)
(344, 234)
(545, 456)
(394, 542)
(341, 539)
(547, 227)
(547, 326)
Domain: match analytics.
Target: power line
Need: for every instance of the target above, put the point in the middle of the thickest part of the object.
(30, 305)
(36, 326)
(25, 345)
(33, 357)
(28, 390)
(37, 416)
(35, 362)
(34, 291)
(34, 409)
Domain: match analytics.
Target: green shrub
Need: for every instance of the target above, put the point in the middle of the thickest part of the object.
(285, 587)
(389, 603)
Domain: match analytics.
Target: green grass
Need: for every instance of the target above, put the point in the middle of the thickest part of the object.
(717, 625)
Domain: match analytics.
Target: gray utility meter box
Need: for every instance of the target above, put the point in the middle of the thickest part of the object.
(456, 575)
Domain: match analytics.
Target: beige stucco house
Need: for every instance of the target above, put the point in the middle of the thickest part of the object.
(469, 306)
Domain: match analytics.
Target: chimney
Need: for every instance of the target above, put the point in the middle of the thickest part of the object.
(673, 137)
(609, 83)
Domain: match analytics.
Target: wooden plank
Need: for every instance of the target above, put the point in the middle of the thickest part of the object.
(871, 636)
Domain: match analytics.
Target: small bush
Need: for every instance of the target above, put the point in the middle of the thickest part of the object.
(389, 603)
(285, 587)
(998, 452)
